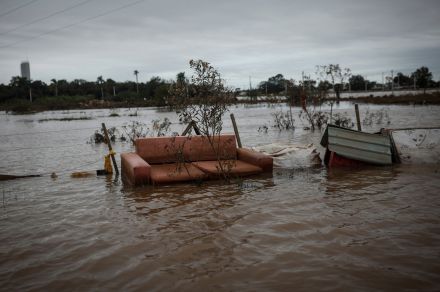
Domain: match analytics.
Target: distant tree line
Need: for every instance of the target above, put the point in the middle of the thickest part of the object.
(329, 77)
(333, 77)
(154, 90)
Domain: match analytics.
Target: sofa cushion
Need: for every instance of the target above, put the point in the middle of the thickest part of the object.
(160, 149)
(175, 172)
(181, 148)
(237, 167)
(200, 149)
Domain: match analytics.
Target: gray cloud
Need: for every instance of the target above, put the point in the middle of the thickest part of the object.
(241, 38)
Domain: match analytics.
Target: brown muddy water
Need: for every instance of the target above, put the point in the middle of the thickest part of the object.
(301, 229)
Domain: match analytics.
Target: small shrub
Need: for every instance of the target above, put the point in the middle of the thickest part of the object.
(342, 121)
(161, 128)
(136, 129)
(99, 136)
(380, 117)
(263, 129)
(316, 118)
(283, 121)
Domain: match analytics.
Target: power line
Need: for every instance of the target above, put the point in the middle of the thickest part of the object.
(45, 17)
(16, 8)
(74, 24)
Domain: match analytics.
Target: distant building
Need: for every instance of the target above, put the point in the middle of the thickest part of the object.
(25, 70)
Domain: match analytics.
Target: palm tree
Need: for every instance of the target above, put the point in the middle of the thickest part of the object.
(100, 81)
(136, 72)
(55, 82)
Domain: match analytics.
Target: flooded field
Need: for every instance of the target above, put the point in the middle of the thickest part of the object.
(301, 229)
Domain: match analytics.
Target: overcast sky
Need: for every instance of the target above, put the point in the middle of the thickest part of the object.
(68, 39)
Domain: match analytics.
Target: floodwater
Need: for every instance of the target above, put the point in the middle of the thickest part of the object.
(301, 229)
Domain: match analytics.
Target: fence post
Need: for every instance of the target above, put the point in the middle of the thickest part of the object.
(358, 118)
(237, 135)
(188, 128)
(112, 155)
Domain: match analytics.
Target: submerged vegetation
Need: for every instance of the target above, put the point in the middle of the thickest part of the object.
(379, 117)
(67, 119)
(282, 121)
(133, 130)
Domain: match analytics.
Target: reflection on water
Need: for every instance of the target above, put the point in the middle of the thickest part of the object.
(302, 229)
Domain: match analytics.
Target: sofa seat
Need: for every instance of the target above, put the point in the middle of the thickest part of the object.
(238, 167)
(174, 172)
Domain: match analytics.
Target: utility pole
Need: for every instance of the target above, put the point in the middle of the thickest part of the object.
(30, 94)
(383, 83)
(310, 84)
(366, 83)
(392, 82)
(250, 87)
(114, 91)
(302, 78)
(414, 81)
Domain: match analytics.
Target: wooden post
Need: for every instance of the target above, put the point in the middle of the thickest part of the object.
(237, 136)
(196, 129)
(115, 166)
(331, 112)
(188, 128)
(358, 118)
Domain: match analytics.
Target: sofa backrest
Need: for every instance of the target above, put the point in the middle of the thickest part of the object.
(156, 150)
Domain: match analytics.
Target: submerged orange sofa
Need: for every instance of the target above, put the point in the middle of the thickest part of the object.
(164, 160)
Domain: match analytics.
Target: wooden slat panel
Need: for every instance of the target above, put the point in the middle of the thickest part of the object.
(371, 148)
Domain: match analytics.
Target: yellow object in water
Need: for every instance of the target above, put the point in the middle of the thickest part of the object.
(80, 174)
(108, 164)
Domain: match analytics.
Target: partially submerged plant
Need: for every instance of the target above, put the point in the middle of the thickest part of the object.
(99, 137)
(204, 100)
(136, 129)
(342, 120)
(315, 118)
(161, 128)
(379, 117)
(263, 129)
(318, 119)
(283, 120)
(133, 130)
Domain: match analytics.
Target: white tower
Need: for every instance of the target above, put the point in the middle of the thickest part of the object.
(25, 70)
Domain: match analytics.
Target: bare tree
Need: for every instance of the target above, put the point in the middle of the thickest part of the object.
(335, 74)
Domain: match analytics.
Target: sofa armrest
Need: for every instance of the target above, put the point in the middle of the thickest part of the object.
(256, 158)
(134, 169)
